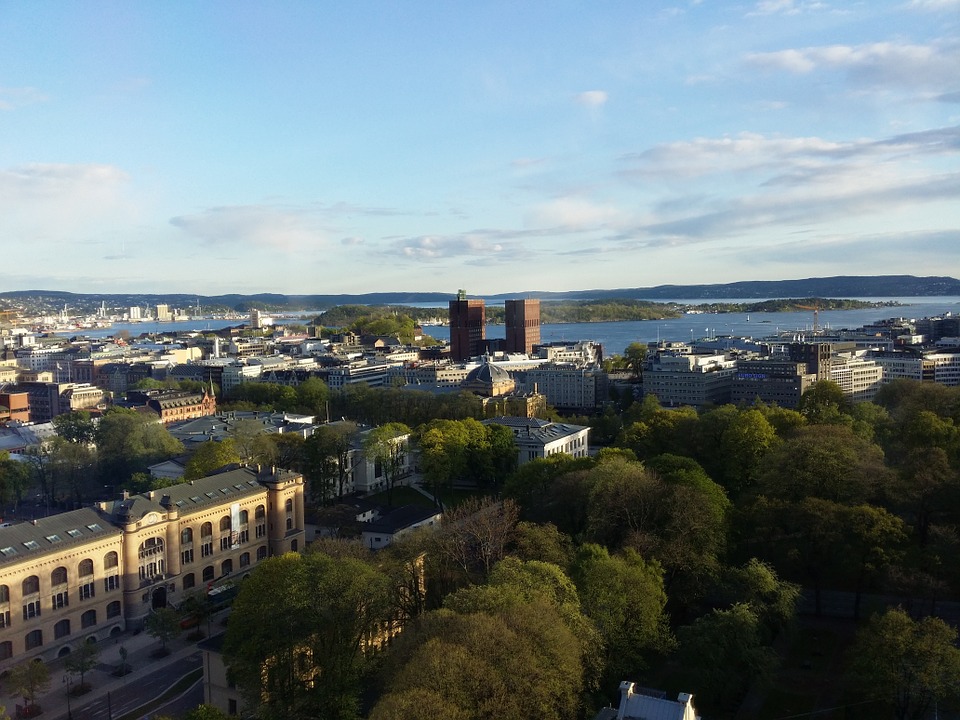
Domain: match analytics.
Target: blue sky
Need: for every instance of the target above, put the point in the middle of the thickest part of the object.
(321, 147)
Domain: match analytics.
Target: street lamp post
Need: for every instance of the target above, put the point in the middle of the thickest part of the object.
(68, 680)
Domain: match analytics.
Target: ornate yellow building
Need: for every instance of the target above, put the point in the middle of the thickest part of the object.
(95, 572)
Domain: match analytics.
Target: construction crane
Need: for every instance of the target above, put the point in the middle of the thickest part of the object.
(816, 316)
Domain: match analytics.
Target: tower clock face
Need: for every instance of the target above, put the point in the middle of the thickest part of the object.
(151, 518)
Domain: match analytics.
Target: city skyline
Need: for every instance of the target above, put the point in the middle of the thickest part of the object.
(316, 148)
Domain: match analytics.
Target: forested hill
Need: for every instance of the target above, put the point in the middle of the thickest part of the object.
(837, 287)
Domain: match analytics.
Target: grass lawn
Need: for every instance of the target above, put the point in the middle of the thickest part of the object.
(404, 495)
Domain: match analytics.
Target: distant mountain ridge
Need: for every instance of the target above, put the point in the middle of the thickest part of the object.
(841, 286)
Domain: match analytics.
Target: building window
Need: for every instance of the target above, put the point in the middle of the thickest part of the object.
(260, 516)
(34, 639)
(244, 559)
(186, 536)
(4, 618)
(61, 629)
(226, 567)
(110, 560)
(87, 591)
(4, 594)
(6, 650)
(111, 583)
(293, 545)
(288, 506)
(31, 585)
(31, 609)
(225, 524)
(208, 573)
(113, 609)
(206, 540)
(231, 706)
(85, 568)
(244, 515)
(58, 576)
(189, 581)
(243, 536)
(261, 553)
(186, 557)
(61, 600)
(88, 619)
(225, 542)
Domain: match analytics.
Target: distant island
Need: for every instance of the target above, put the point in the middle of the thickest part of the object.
(632, 307)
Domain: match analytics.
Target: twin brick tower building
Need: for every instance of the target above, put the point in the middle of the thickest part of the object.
(468, 329)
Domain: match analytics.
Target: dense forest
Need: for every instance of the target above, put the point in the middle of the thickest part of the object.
(754, 556)
(697, 552)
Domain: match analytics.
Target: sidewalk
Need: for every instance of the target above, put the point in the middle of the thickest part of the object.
(110, 696)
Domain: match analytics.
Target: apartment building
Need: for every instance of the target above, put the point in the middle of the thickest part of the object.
(94, 572)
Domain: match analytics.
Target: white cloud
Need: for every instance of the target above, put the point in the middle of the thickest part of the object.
(437, 247)
(935, 5)
(12, 98)
(786, 7)
(875, 64)
(750, 153)
(61, 202)
(257, 226)
(592, 98)
(572, 213)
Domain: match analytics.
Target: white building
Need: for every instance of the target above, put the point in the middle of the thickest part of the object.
(537, 438)
(858, 376)
(697, 380)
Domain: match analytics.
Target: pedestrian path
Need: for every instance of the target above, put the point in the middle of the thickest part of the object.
(112, 696)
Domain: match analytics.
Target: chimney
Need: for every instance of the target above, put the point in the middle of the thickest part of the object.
(626, 692)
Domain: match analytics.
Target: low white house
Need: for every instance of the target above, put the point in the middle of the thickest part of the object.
(646, 705)
(537, 438)
(395, 524)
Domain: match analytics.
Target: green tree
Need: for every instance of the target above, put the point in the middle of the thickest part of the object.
(532, 541)
(635, 356)
(198, 607)
(76, 427)
(244, 434)
(724, 654)
(386, 445)
(313, 395)
(825, 461)
(912, 664)
(732, 445)
(14, 478)
(28, 679)
(210, 456)
(482, 663)
(284, 450)
(872, 538)
(554, 489)
(773, 600)
(328, 460)
(928, 487)
(129, 442)
(298, 630)
(72, 464)
(206, 712)
(824, 403)
(82, 660)
(624, 596)
(164, 625)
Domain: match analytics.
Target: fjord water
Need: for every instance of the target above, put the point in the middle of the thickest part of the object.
(615, 336)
